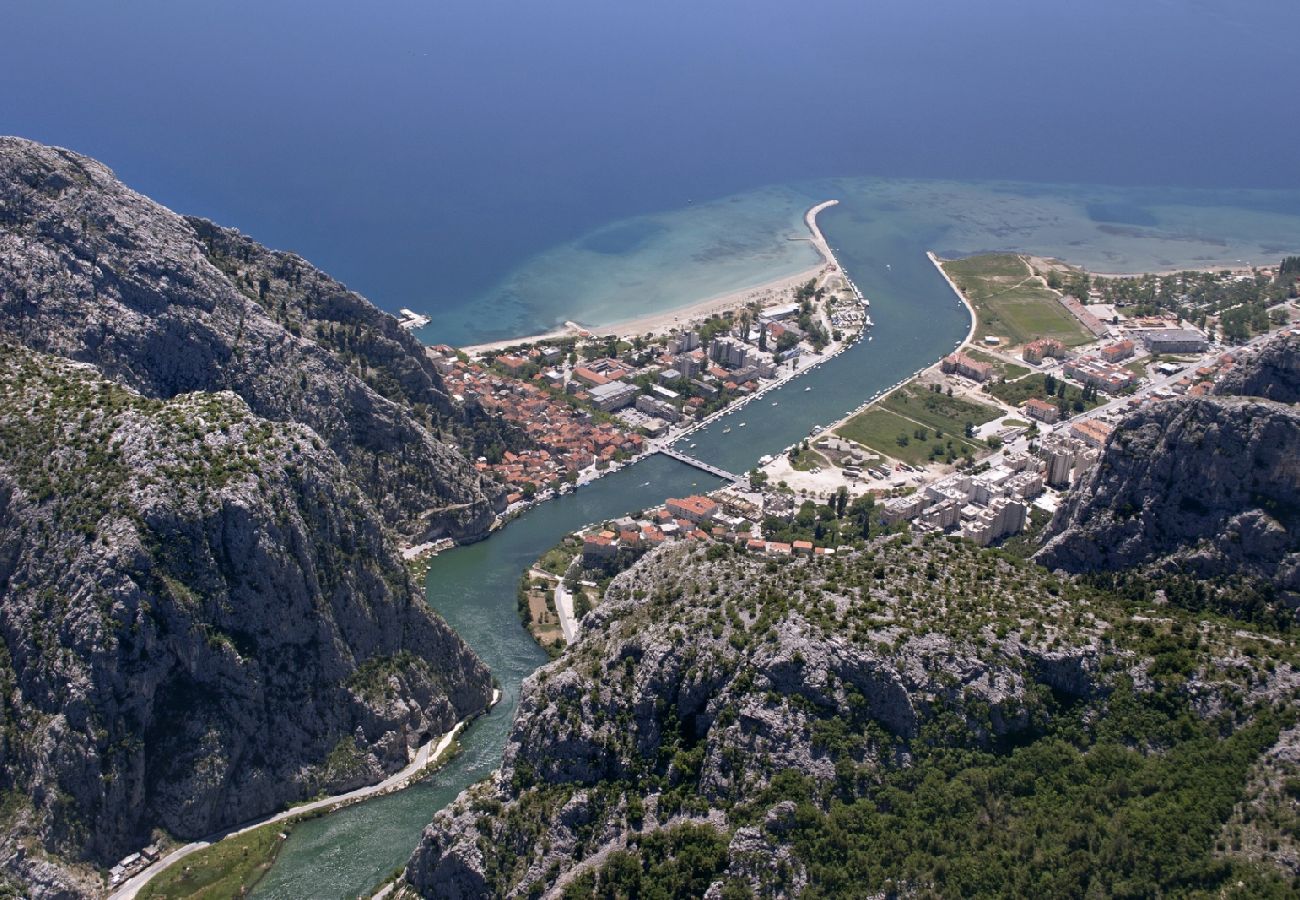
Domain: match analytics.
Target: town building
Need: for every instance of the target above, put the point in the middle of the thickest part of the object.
(1036, 351)
(963, 365)
(1042, 410)
(613, 395)
(695, 509)
(1092, 432)
(1118, 351)
(1102, 375)
(1175, 340)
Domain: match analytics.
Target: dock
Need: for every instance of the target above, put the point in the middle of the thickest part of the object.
(700, 464)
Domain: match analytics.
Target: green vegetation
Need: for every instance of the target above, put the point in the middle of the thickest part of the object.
(664, 865)
(228, 868)
(1067, 397)
(804, 459)
(1242, 303)
(1012, 303)
(919, 426)
(1082, 811)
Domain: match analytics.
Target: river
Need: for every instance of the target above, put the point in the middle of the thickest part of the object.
(473, 587)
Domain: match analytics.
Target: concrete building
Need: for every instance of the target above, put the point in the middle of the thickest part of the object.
(1041, 410)
(613, 395)
(1000, 518)
(652, 407)
(683, 342)
(728, 352)
(1175, 340)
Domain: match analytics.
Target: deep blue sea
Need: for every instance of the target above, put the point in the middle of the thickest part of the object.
(505, 164)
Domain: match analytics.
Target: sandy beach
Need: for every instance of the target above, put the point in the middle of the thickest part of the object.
(657, 323)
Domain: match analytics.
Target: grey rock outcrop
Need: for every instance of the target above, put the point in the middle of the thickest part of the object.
(201, 619)
(208, 452)
(94, 272)
(680, 678)
(1206, 486)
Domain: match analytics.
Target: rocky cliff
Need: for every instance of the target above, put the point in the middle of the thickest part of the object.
(1273, 373)
(1205, 487)
(864, 726)
(94, 272)
(202, 620)
(208, 451)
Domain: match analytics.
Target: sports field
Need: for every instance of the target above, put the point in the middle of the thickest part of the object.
(1012, 303)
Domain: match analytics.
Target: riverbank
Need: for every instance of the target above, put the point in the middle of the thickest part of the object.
(428, 757)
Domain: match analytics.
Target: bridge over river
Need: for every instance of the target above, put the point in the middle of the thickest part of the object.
(674, 453)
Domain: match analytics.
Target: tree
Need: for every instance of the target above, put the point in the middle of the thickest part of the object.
(970, 429)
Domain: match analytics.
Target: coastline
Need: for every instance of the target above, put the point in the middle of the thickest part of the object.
(654, 323)
(426, 757)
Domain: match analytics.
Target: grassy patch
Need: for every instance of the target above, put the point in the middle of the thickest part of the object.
(228, 868)
(1011, 303)
(1017, 392)
(938, 410)
(806, 459)
(894, 436)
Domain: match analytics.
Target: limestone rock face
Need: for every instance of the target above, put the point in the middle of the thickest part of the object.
(202, 619)
(1273, 373)
(1207, 486)
(92, 271)
(208, 454)
(679, 679)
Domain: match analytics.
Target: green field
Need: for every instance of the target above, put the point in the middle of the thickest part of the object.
(1017, 392)
(228, 868)
(911, 408)
(1011, 303)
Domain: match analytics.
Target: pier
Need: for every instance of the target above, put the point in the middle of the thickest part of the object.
(700, 464)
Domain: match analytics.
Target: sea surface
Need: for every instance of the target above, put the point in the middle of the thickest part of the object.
(504, 166)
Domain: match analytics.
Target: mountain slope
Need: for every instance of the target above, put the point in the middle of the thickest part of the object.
(1202, 488)
(202, 619)
(919, 717)
(97, 273)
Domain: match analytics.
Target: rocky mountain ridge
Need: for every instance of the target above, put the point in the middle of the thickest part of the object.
(1200, 487)
(94, 272)
(722, 706)
(202, 620)
(208, 454)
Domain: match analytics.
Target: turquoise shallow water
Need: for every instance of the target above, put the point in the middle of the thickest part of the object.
(662, 261)
(880, 231)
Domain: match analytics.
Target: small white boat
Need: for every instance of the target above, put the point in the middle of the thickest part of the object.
(742, 424)
(808, 389)
(774, 403)
(727, 430)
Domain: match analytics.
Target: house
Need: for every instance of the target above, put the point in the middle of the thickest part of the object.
(1041, 410)
(1036, 351)
(693, 509)
(1117, 351)
(1091, 432)
(962, 364)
